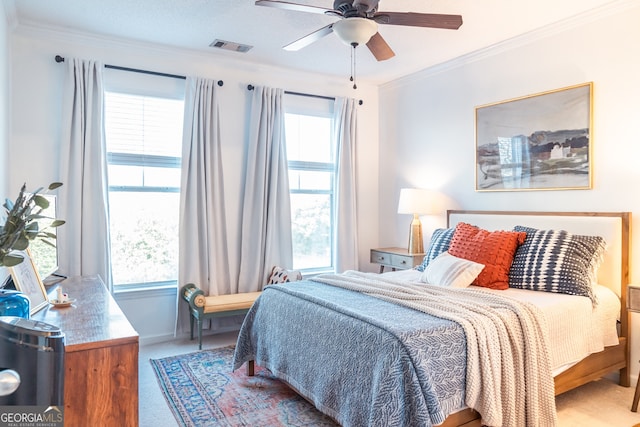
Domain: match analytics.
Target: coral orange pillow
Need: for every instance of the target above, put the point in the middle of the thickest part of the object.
(494, 249)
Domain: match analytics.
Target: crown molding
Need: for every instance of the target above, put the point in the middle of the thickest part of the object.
(177, 54)
(604, 11)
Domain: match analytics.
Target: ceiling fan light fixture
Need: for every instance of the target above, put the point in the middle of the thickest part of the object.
(355, 30)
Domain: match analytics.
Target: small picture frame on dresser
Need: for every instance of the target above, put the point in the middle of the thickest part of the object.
(27, 280)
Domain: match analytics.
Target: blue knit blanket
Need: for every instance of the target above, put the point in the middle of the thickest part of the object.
(363, 360)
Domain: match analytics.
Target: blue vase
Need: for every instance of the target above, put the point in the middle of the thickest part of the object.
(14, 303)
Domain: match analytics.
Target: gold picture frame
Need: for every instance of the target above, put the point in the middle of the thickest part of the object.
(27, 280)
(536, 142)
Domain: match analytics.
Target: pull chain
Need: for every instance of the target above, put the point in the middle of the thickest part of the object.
(353, 65)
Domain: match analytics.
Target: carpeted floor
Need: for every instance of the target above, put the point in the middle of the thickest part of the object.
(598, 404)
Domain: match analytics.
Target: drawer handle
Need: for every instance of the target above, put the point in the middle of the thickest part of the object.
(403, 262)
(380, 258)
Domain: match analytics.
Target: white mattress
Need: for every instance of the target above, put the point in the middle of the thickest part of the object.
(575, 327)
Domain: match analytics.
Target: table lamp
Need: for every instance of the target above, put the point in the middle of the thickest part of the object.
(415, 201)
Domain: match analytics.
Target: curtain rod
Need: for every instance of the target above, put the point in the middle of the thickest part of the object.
(136, 70)
(330, 98)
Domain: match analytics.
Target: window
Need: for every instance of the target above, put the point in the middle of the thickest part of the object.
(144, 147)
(311, 161)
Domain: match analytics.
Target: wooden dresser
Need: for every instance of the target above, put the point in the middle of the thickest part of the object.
(101, 355)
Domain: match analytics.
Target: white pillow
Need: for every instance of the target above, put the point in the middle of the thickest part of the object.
(451, 271)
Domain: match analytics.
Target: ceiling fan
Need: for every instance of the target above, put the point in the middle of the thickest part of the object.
(359, 23)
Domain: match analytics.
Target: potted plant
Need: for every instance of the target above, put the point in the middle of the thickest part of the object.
(21, 224)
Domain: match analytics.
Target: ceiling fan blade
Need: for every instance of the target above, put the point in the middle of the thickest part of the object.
(411, 19)
(292, 6)
(379, 48)
(309, 38)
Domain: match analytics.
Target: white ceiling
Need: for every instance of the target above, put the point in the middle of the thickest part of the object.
(194, 24)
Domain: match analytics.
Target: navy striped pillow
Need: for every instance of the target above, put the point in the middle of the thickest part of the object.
(557, 261)
(440, 240)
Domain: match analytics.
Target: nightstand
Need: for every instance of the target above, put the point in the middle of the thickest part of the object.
(396, 258)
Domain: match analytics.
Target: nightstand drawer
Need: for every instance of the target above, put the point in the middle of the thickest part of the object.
(402, 261)
(382, 258)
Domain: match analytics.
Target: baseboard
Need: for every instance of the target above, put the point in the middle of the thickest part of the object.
(156, 339)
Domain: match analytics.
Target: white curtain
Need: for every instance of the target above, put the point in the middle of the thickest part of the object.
(83, 242)
(203, 257)
(346, 230)
(266, 215)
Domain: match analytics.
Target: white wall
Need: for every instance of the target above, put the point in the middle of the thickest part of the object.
(428, 139)
(36, 100)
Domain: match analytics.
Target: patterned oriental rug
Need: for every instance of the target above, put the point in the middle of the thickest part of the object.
(201, 390)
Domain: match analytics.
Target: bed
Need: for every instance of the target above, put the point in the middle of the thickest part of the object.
(391, 355)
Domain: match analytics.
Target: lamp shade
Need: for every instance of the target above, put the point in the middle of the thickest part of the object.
(415, 201)
(355, 30)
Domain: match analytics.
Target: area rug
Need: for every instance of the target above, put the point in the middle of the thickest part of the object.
(201, 390)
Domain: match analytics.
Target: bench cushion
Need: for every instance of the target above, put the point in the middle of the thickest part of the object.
(222, 303)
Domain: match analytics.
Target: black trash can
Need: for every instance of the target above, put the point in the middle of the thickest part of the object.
(35, 351)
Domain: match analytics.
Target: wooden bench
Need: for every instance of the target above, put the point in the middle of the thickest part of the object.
(202, 307)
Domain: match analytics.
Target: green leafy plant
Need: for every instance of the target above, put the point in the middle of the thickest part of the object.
(21, 224)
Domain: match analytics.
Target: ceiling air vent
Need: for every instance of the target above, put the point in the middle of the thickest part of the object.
(236, 47)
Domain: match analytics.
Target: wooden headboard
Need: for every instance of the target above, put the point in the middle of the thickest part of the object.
(612, 226)
(613, 273)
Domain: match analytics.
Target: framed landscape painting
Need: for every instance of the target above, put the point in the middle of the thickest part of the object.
(536, 142)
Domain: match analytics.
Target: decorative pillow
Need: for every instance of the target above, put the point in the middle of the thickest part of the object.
(281, 275)
(557, 261)
(450, 271)
(494, 249)
(440, 240)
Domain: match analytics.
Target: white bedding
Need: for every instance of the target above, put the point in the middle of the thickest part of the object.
(575, 327)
